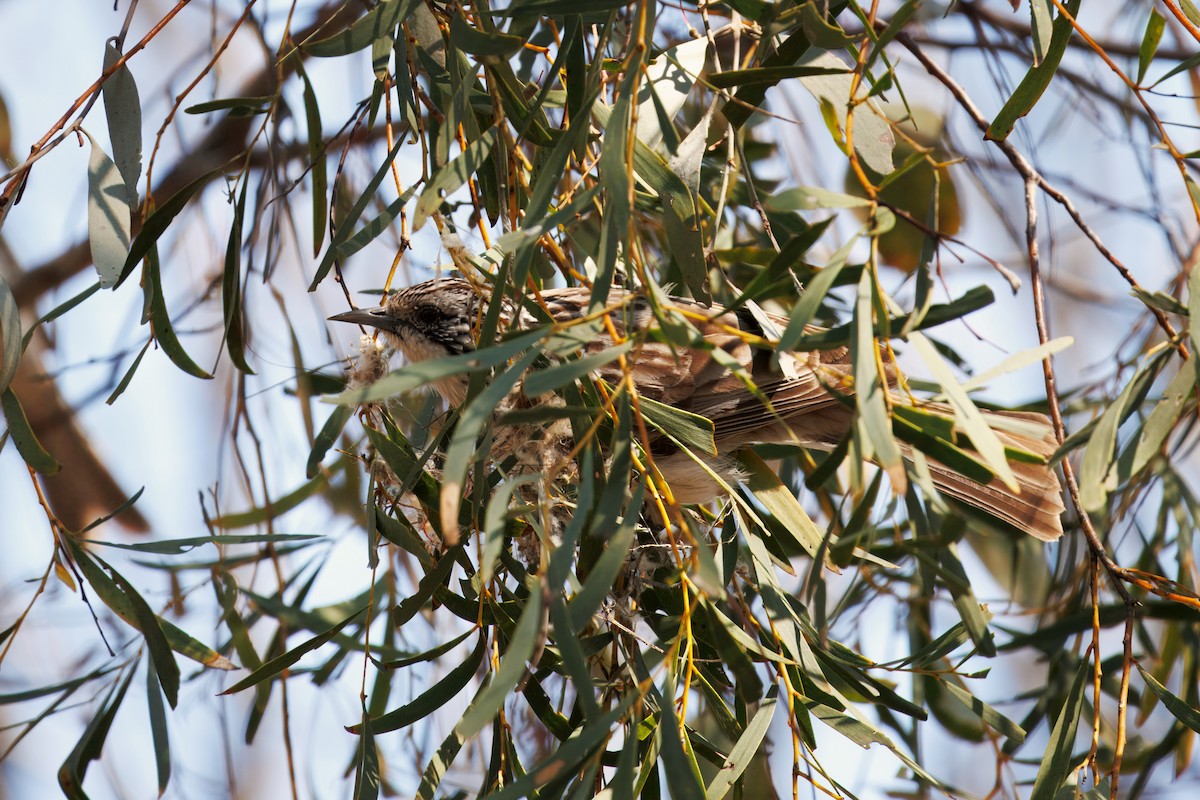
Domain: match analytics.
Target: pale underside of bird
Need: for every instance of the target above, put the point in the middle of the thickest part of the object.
(803, 398)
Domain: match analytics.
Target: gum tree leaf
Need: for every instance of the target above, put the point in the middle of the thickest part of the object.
(454, 175)
(108, 216)
(11, 341)
(123, 110)
(1056, 764)
(746, 748)
(873, 136)
(23, 436)
(985, 440)
(1031, 87)
(512, 667)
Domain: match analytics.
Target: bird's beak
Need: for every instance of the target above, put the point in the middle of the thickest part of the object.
(377, 317)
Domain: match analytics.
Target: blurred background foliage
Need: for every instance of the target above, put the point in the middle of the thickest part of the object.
(383, 610)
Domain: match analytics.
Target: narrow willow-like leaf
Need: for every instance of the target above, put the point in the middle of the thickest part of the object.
(23, 436)
(1155, 26)
(997, 721)
(1179, 708)
(744, 751)
(469, 39)
(453, 175)
(164, 331)
(148, 623)
(690, 430)
(870, 388)
(123, 112)
(108, 216)
(1096, 478)
(778, 499)
(604, 572)
(366, 767)
(546, 380)
(1031, 87)
(278, 664)
(180, 546)
(567, 757)
(115, 598)
(434, 697)
(342, 234)
(364, 31)
(422, 373)
(512, 668)
(1057, 762)
(158, 222)
(273, 510)
(10, 335)
(325, 438)
(471, 422)
(1165, 414)
(231, 287)
(966, 413)
(159, 734)
(91, 743)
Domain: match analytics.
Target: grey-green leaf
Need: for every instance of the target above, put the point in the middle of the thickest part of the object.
(123, 110)
(108, 216)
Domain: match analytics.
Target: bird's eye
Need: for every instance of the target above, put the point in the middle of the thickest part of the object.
(427, 315)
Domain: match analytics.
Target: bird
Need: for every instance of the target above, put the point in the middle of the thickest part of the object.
(804, 398)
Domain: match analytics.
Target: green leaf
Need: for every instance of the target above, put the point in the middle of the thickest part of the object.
(164, 332)
(567, 757)
(873, 136)
(1031, 87)
(1041, 25)
(690, 430)
(123, 606)
(967, 415)
(379, 21)
(148, 623)
(1150, 40)
(10, 335)
(316, 159)
(158, 222)
(778, 499)
(744, 751)
(273, 509)
(1096, 477)
(325, 438)
(123, 112)
(1057, 763)
(342, 234)
(231, 287)
(237, 106)
(816, 290)
(495, 523)
(23, 436)
(159, 733)
(542, 381)
(278, 664)
(471, 420)
(91, 743)
(1164, 415)
(870, 388)
(604, 572)
(997, 721)
(512, 668)
(488, 44)
(181, 546)
(453, 175)
(108, 216)
(1177, 706)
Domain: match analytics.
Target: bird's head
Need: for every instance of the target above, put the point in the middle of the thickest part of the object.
(429, 320)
